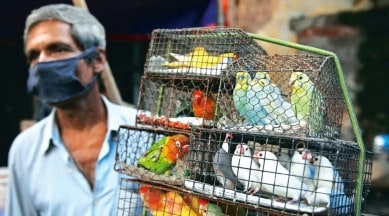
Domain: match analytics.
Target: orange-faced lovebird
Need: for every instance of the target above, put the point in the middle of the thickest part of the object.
(175, 204)
(162, 155)
(153, 198)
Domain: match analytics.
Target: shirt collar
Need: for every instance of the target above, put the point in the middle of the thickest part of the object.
(51, 131)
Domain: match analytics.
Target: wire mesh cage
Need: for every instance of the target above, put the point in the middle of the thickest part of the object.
(217, 88)
(151, 155)
(169, 102)
(285, 173)
(197, 51)
(296, 94)
(157, 199)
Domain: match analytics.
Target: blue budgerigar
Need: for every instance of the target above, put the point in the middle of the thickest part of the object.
(278, 109)
(255, 110)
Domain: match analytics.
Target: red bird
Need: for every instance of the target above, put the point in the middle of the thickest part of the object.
(203, 106)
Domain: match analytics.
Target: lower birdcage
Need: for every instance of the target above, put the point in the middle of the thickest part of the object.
(257, 172)
(284, 173)
(156, 199)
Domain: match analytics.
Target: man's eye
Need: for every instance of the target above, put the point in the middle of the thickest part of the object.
(32, 56)
(59, 49)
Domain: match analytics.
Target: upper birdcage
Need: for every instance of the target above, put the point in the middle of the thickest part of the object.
(197, 51)
(294, 94)
(203, 85)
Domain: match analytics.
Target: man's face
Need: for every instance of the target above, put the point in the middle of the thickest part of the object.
(51, 40)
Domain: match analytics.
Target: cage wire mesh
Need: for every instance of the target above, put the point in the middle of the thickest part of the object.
(230, 173)
(152, 155)
(262, 132)
(197, 51)
(157, 199)
(296, 94)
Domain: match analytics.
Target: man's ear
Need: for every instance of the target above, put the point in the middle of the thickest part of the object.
(99, 63)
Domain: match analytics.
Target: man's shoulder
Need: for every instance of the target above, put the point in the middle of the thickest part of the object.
(28, 141)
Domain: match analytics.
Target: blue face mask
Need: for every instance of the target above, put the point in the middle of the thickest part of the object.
(57, 81)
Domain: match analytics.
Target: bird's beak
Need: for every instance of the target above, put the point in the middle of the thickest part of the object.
(292, 81)
(307, 155)
(183, 151)
(255, 156)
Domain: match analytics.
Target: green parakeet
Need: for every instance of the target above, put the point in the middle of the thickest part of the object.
(307, 102)
(163, 154)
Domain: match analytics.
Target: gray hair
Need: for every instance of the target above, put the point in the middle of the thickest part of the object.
(85, 28)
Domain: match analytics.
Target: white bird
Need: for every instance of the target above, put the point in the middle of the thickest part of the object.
(276, 178)
(244, 168)
(301, 167)
(325, 174)
(338, 202)
(322, 196)
(284, 157)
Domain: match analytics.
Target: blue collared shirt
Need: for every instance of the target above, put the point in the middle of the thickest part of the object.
(44, 180)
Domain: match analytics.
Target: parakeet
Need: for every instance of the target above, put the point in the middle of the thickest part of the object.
(301, 167)
(204, 106)
(200, 58)
(222, 166)
(272, 101)
(325, 174)
(255, 110)
(246, 169)
(196, 203)
(243, 80)
(153, 198)
(307, 101)
(163, 155)
(175, 205)
(212, 210)
(276, 178)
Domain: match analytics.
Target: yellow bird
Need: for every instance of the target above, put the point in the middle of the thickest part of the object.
(199, 58)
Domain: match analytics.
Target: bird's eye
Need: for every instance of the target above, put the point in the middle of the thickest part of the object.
(316, 159)
(178, 144)
(260, 154)
(300, 77)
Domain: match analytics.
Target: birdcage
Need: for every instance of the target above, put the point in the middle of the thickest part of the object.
(139, 154)
(212, 83)
(180, 61)
(281, 179)
(155, 199)
(295, 94)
